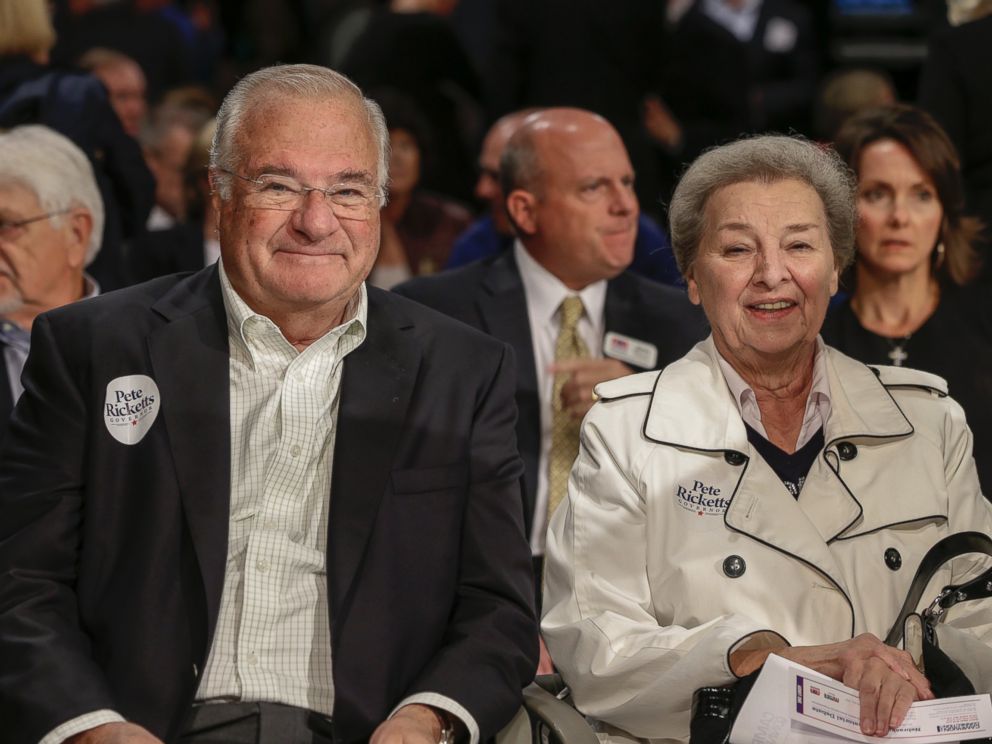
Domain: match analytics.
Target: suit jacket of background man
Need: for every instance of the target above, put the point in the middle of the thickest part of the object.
(489, 295)
(112, 556)
(6, 398)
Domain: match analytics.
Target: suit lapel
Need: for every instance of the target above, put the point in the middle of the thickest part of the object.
(190, 359)
(502, 306)
(376, 387)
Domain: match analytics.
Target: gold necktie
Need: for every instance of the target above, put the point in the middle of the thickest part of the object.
(564, 428)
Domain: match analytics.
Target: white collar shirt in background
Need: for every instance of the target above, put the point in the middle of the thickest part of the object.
(16, 342)
(739, 22)
(544, 293)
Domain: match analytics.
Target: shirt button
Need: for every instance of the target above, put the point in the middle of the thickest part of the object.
(269, 524)
(252, 659)
(295, 450)
(262, 566)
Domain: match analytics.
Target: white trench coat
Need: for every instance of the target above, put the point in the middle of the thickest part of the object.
(640, 608)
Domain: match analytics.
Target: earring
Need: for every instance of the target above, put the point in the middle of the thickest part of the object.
(939, 255)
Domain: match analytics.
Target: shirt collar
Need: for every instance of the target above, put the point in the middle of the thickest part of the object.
(239, 315)
(545, 291)
(12, 334)
(90, 287)
(739, 22)
(817, 412)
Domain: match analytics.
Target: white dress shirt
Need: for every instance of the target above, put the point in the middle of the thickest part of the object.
(544, 293)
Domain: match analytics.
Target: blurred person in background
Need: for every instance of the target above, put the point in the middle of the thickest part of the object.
(51, 223)
(166, 142)
(125, 82)
(418, 226)
(492, 233)
(846, 92)
(911, 304)
(954, 87)
(74, 104)
(410, 47)
(191, 244)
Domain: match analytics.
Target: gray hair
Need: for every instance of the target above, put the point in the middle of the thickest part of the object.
(764, 159)
(56, 171)
(298, 81)
(520, 165)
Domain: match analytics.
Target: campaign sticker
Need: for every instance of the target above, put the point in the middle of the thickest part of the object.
(131, 407)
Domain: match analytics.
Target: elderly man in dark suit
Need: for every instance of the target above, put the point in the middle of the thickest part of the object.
(51, 225)
(264, 503)
(561, 297)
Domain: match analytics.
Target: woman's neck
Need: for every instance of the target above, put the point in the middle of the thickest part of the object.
(781, 389)
(895, 305)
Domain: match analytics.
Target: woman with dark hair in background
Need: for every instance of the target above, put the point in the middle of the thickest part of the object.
(418, 227)
(910, 304)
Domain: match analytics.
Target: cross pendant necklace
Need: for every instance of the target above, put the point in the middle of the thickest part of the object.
(897, 352)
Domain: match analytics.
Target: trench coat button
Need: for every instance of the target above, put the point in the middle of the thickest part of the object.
(892, 559)
(734, 458)
(847, 451)
(734, 566)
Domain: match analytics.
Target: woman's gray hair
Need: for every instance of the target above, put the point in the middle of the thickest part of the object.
(764, 159)
(56, 171)
(308, 82)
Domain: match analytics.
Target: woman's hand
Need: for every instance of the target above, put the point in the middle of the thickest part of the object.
(886, 679)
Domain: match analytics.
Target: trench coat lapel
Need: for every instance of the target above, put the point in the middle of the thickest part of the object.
(376, 387)
(190, 361)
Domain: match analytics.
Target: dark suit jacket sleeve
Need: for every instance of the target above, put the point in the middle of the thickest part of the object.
(490, 648)
(47, 671)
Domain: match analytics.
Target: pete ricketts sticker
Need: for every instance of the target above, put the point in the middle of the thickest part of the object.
(704, 500)
(131, 407)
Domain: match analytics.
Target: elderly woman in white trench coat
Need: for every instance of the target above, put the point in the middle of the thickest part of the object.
(689, 548)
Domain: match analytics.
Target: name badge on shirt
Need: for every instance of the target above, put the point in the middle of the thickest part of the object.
(630, 350)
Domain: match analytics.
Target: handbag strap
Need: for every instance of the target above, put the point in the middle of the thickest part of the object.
(944, 550)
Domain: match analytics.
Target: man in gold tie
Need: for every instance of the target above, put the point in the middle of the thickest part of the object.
(561, 297)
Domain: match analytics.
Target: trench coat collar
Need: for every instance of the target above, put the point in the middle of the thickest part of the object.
(692, 406)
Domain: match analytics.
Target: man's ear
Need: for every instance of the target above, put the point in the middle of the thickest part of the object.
(521, 205)
(78, 232)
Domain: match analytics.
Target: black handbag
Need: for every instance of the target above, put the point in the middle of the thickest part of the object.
(715, 708)
(920, 629)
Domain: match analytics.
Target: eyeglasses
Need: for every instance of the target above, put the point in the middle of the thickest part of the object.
(9, 228)
(348, 200)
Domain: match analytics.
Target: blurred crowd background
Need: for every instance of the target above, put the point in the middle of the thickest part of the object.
(673, 77)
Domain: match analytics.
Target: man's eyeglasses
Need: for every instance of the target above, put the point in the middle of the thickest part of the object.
(349, 200)
(10, 228)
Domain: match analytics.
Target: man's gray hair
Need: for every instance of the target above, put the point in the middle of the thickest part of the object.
(56, 171)
(308, 82)
(764, 159)
(520, 164)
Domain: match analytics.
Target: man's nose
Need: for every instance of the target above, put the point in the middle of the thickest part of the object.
(623, 200)
(315, 217)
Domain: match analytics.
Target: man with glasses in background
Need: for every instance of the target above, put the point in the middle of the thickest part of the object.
(51, 225)
(264, 503)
